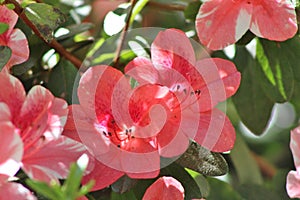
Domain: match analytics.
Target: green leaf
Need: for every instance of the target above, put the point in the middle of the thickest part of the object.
(46, 18)
(128, 195)
(62, 80)
(203, 161)
(276, 72)
(5, 53)
(191, 187)
(256, 192)
(244, 163)
(137, 9)
(3, 27)
(221, 190)
(75, 29)
(192, 10)
(52, 192)
(252, 104)
(124, 184)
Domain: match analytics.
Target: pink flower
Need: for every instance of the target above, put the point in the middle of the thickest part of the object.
(13, 38)
(223, 22)
(11, 148)
(165, 188)
(208, 82)
(124, 128)
(293, 177)
(39, 119)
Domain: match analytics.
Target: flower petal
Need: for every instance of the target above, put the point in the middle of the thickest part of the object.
(165, 188)
(274, 20)
(8, 17)
(16, 191)
(11, 148)
(293, 184)
(12, 93)
(220, 81)
(220, 23)
(295, 146)
(103, 176)
(52, 160)
(172, 49)
(215, 132)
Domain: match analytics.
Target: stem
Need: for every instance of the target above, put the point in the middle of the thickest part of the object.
(266, 168)
(54, 44)
(164, 6)
(123, 34)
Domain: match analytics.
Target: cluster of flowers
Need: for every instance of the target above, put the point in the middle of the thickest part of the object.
(126, 130)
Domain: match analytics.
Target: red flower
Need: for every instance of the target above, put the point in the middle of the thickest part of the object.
(220, 23)
(293, 177)
(165, 188)
(126, 129)
(39, 119)
(208, 82)
(13, 38)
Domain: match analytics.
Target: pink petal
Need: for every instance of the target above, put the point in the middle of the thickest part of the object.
(18, 43)
(12, 191)
(8, 17)
(142, 70)
(52, 160)
(220, 23)
(293, 184)
(274, 20)
(220, 81)
(295, 146)
(103, 176)
(11, 148)
(82, 129)
(12, 93)
(172, 49)
(5, 114)
(215, 132)
(165, 188)
(34, 114)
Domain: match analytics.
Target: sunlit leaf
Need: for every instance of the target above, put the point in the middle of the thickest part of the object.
(203, 161)
(3, 27)
(46, 18)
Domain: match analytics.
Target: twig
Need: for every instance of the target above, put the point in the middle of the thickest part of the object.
(266, 168)
(123, 35)
(54, 44)
(165, 6)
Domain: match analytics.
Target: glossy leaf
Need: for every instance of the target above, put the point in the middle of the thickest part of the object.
(242, 159)
(3, 27)
(62, 79)
(5, 53)
(203, 161)
(252, 104)
(46, 18)
(276, 72)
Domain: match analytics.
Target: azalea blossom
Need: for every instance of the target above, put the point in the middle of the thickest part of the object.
(15, 39)
(11, 148)
(293, 177)
(199, 86)
(220, 23)
(124, 128)
(165, 188)
(38, 119)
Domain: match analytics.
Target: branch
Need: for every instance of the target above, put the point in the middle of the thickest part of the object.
(123, 34)
(54, 44)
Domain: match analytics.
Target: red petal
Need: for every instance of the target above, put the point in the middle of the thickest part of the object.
(12, 191)
(220, 81)
(103, 176)
(8, 17)
(274, 20)
(12, 93)
(220, 23)
(52, 160)
(215, 132)
(5, 114)
(172, 49)
(11, 148)
(165, 188)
